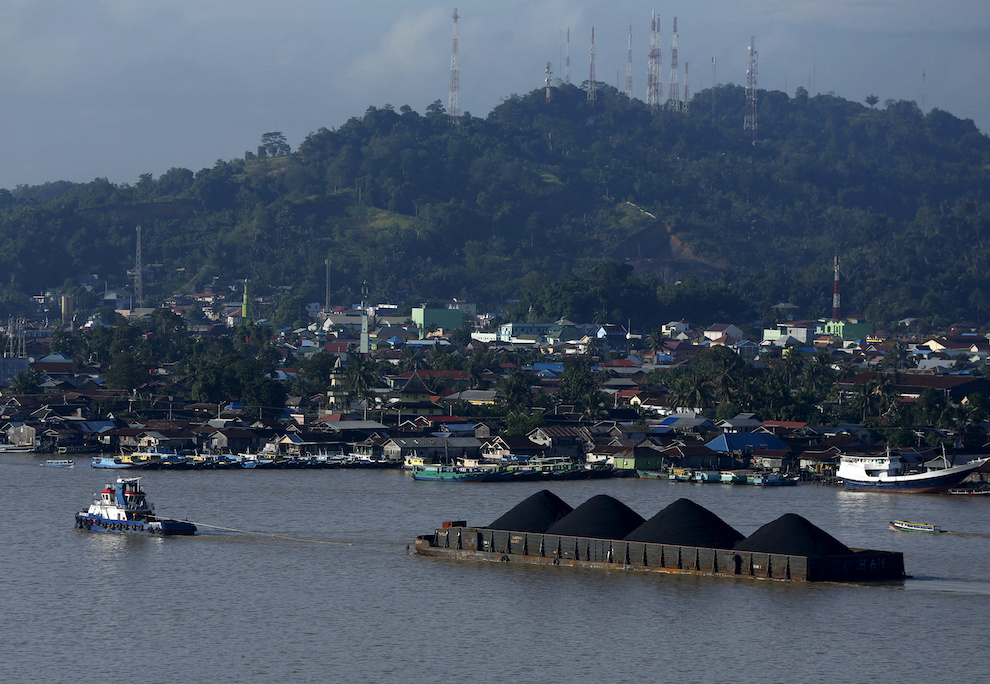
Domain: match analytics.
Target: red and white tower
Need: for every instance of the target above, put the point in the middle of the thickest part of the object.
(836, 310)
(653, 71)
(673, 92)
(454, 100)
(749, 122)
(591, 72)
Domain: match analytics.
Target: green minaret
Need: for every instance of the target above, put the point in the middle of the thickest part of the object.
(245, 311)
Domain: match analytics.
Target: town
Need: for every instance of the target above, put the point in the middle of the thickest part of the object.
(199, 383)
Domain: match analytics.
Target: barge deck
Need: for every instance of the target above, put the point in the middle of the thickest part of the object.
(482, 544)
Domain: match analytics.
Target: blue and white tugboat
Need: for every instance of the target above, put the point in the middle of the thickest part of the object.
(123, 507)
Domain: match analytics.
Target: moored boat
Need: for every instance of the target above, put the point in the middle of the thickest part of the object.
(123, 507)
(446, 473)
(110, 463)
(889, 473)
(906, 526)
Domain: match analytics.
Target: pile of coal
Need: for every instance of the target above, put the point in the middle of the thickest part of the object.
(601, 517)
(685, 523)
(793, 535)
(533, 514)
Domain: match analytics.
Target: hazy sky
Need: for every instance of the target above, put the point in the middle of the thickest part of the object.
(116, 88)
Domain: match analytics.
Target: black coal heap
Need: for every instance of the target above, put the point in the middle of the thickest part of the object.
(601, 517)
(533, 514)
(686, 523)
(793, 535)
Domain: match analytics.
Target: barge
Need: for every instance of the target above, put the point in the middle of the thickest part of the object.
(482, 544)
(683, 538)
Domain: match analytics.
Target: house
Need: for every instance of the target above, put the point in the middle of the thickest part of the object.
(722, 330)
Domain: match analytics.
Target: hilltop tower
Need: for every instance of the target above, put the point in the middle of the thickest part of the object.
(591, 72)
(673, 92)
(749, 122)
(629, 79)
(548, 82)
(567, 59)
(653, 71)
(684, 105)
(454, 99)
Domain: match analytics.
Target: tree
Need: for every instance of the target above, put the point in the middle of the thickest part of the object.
(514, 391)
(274, 144)
(872, 100)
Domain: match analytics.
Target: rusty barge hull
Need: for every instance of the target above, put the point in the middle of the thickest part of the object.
(480, 544)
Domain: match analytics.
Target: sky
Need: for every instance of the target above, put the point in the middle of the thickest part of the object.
(117, 88)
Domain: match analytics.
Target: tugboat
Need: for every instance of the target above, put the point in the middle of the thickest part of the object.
(123, 507)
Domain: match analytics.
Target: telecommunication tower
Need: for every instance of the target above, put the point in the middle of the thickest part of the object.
(454, 101)
(836, 310)
(673, 92)
(138, 271)
(548, 81)
(567, 59)
(684, 106)
(629, 82)
(591, 71)
(749, 123)
(653, 70)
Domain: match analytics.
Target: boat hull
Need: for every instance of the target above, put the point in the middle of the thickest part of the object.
(480, 544)
(910, 484)
(95, 523)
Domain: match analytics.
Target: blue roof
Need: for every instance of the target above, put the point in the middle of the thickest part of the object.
(745, 441)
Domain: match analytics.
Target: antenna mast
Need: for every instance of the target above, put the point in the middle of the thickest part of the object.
(835, 293)
(629, 80)
(548, 81)
(653, 70)
(454, 100)
(591, 72)
(684, 106)
(138, 271)
(567, 58)
(749, 123)
(673, 92)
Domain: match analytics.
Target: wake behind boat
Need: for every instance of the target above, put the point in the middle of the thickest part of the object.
(123, 507)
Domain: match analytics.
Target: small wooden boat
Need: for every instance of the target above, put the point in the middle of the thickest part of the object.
(969, 491)
(59, 463)
(905, 526)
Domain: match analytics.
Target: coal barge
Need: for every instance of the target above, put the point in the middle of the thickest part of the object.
(684, 538)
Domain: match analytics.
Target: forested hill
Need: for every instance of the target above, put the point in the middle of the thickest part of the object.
(525, 202)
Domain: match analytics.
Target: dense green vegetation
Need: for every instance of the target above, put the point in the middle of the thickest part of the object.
(525, 202)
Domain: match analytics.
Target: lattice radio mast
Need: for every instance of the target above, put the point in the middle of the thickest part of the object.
(673, 92)
(684, 106)
(138, 271)
(591, 72)
(629, 80)
(454, 100)
(653, 70)
(567, 58)
(549, 72)
(749, 122)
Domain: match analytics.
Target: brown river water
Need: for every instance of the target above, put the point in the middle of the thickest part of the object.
(304, 576)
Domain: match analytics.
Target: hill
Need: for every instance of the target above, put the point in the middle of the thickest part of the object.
(525, 202)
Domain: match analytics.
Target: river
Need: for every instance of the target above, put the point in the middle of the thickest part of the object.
(304, 576)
